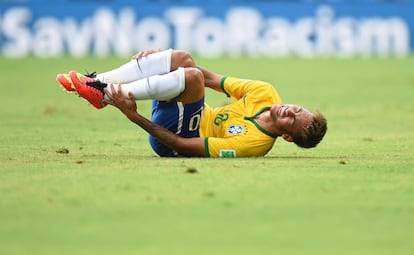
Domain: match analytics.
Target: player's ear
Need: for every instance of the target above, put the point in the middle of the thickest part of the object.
(287, 137)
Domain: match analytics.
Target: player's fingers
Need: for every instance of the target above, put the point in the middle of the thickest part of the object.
(149, 52)
(119, 92)
(113, 91)
(109, 96)
(138, 55)
(131, 96)
(108, 101)
(145, 53)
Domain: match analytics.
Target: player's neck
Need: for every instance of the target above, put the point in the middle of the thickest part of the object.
(266, 122)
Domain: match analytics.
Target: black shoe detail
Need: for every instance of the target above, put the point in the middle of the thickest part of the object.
(97, 85)
(90, 75)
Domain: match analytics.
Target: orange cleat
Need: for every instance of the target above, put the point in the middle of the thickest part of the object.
(92, 90)
(65, 82)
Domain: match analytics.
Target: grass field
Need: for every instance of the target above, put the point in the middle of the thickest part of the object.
(74, 180)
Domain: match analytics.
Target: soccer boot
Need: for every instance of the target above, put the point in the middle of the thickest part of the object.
(91, 89)
(65, 82)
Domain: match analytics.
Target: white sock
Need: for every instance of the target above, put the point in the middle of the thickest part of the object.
(159, 87)
(136, 69)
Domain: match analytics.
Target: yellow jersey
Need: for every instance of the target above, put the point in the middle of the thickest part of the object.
(231, 130)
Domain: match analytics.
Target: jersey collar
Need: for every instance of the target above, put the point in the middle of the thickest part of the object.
(252, 119)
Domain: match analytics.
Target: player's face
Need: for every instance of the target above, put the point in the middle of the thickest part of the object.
(289, 118)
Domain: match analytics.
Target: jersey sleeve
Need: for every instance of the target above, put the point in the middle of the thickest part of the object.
(238, 88)
(236, 147)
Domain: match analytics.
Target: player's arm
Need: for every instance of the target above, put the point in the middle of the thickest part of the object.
(188, 146)
(235, 87)
(212, 80)
(181, 58)
(127, 105)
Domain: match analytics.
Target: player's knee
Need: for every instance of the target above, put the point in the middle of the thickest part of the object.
(182, 58)
(194, 85)
(194, 77)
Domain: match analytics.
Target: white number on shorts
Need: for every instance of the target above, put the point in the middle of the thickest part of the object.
(194, 122)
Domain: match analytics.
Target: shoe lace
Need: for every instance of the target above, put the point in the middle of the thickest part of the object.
(95, 83)
(90, 75)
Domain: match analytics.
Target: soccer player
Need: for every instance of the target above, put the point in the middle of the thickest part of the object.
(182, 124)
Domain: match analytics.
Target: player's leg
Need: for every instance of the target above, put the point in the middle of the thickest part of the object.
(160, 87)
(182, 114)
(153, 64)
(136, 69)
(194, 86)
(184, 84)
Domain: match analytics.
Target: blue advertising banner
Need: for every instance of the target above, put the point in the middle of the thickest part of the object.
(207, 28)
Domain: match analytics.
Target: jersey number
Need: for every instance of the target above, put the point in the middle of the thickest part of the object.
(194, 123)
(221, 118)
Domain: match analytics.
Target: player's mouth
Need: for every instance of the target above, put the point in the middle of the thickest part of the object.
(281, 112)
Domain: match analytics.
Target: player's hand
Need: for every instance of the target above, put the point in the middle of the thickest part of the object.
(144, 53)
(126, 104)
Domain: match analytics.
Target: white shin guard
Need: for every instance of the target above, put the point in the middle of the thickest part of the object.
(160, 87)
(136, 69)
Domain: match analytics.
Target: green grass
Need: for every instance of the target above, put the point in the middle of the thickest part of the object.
(110, 195)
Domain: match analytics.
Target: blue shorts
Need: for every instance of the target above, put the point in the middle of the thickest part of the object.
(181, 119)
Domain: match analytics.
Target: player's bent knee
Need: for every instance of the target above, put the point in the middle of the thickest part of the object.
(194, 85)
(181, 58)
(194, 78)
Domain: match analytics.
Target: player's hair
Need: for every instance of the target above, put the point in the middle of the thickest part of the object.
(313, 133)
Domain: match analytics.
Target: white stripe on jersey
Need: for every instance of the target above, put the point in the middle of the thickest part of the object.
(180, 107)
